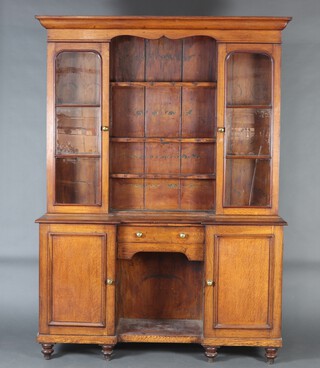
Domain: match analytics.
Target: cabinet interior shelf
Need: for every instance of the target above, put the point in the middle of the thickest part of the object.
(164, 84)
(254, 157)
(77, 155)
(249, 106)
(162, 140)
(161, 330)
(163, 176)
(77, 105)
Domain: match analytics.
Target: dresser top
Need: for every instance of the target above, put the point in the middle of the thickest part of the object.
(156, 22)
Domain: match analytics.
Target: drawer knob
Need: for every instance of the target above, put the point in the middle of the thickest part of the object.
(210, 283)
(182, 235)
(105, 128)
(139, 234)
(109, 281)
(221, 130)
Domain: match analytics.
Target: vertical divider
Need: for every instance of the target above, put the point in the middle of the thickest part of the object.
(105, 152)
(144, 125)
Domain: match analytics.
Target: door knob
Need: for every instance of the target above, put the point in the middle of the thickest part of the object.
(210, 283)
(109, 281)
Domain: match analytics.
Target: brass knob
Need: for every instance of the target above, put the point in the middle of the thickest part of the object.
(109, 282)
(221, 130)
(139, 234)
(210, 283)
(183, 235)
(105, 129)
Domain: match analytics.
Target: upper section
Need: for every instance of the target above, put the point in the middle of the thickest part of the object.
(163, 115)
(223, 29)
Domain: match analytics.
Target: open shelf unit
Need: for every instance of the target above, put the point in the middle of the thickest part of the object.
(163, 121)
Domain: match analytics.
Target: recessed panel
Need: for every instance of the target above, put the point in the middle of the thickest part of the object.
(198, 112)
(163, 59)
(128, 59)
(162, 194)
(244, 279)
(162, 158)
(197, 158)
(127, 158)
(197, 195)
(199, 59)
(73, 292)
(163, 111)
(127, 111)
(127, 194)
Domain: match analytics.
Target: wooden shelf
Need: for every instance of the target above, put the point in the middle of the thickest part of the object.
(78, 105)
(162, 140)
(159, 330)
(164, 176)
(249, 106)
(77, 155)
(164, 84)
(253, 157)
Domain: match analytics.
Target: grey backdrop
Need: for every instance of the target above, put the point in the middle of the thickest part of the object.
(22, 157)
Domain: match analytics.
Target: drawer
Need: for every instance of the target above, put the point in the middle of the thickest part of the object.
(161, 234)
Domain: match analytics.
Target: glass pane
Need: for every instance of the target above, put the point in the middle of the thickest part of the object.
(78, 78)
(249, 79)
(247, 182)
(78, 130)
(78, 181)
(248, 131)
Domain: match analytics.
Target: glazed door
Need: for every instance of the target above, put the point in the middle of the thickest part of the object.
(243, 281)
(78, 123)
(77, 279)
(248, 129)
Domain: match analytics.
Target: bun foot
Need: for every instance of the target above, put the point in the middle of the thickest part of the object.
(47, 350)
(211, 352)
(271, 354)
(107, 351)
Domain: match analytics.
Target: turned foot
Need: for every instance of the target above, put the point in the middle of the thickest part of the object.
(107, 351)
(210, 352)
(47, 350)
(271, 354)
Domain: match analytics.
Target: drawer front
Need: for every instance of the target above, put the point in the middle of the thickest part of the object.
(159, 234)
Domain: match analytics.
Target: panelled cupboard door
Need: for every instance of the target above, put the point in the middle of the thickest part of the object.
(248, 130)
(77, 263)
(243, 282)
(77, 133)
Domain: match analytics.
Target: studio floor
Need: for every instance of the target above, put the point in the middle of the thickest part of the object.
(18, 328)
